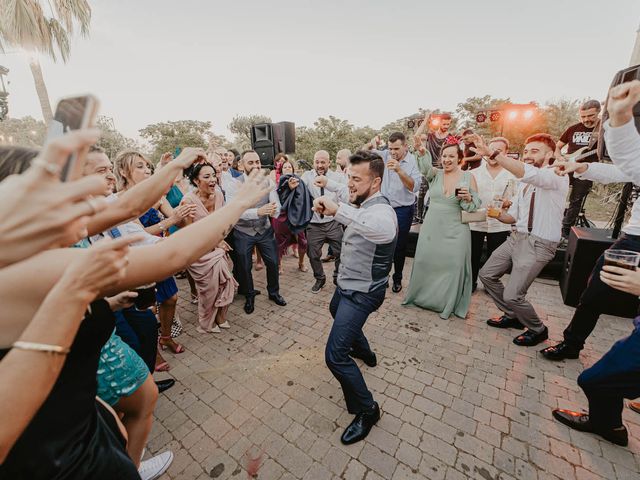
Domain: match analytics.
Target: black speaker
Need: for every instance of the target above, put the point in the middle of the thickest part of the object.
(583, 250)
(626, 75)
(262, 141)
(285, 137)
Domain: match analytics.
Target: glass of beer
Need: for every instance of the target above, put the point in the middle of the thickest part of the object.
(622, 258)
(146, 297)
(495, 209)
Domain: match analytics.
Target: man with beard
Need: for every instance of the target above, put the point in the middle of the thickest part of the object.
(254, 229)
(576, 137)
(536, 211)
(323, 228)
(367, 251)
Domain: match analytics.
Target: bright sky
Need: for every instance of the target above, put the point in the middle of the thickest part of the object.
(369, 62)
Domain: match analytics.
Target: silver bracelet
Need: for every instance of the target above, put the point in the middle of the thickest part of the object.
(41, 347)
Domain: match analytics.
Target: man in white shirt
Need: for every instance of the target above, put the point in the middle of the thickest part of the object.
(493, 181)
(623, 146)
(323, 228)
(368, 246)
(254, 229)
(537, 212)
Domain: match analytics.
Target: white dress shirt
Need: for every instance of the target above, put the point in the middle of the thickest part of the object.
(252, 213)
(333, 191)
(488, 189)
(548, 211)
(377, 223)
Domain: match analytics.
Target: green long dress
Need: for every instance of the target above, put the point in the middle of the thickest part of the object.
(441, 275)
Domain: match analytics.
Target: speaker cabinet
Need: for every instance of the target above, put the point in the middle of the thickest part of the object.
(269, 139)
(583, 250)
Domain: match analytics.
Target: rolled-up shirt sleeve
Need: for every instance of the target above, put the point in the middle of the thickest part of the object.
(414, 173)
(378, 223)
(543, 178)
(604, 173)
(623, 146)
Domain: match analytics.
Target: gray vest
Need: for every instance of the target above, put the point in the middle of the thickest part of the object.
(364, 265)
(257, 226)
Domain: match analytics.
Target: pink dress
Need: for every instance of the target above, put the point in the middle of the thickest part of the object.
(212, 272)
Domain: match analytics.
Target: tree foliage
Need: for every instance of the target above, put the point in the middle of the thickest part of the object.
(167, 136)
(111, 139)
(25, 132)
(240, 126)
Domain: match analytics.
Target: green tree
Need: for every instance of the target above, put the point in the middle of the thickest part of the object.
(25, 132)
(560, 114)
(466, 114)
(240, 126)
(24, 24)
(112, 140)
(167, 136)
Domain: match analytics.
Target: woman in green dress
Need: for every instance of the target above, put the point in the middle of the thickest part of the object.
(441, 276)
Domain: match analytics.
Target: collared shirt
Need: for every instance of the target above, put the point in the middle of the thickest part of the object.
(392, 186)
(623, 145)
(378, 223)
(551, 193)
(334, 191)
(488, 189)
(252, 213)
(133, 227)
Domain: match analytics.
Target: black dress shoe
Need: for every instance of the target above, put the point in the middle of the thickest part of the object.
(505, 322)
(370, 360)
(277, 299)
(165, 384)
(249, 304)
(361, 425)
(397, 286)
(560, 352)
(581, 422)
(530, 338)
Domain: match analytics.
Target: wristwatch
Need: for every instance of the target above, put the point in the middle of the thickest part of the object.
(494, 155)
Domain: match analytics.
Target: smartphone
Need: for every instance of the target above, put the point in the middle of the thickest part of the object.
(73, 113)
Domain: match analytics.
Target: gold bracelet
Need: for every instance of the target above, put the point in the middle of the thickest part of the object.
(41, 347)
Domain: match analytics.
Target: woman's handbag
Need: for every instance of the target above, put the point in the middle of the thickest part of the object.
(477, 216)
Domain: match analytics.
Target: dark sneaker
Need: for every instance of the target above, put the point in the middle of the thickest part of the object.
(318, 285)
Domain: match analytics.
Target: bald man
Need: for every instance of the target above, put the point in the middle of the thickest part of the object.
(323, 228)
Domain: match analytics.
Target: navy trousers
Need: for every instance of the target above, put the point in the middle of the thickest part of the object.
(266, 244)
(596, 296)
(611, 379)
(350, 310)
(139, 330)
(405, 218)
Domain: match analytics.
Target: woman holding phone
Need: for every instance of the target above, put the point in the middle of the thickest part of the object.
(441, 276)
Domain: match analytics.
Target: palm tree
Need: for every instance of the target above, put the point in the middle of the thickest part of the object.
(23, 24)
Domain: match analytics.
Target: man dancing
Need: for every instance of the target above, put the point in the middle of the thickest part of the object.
(367, 253)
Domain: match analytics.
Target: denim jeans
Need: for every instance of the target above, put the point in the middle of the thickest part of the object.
(611, 379)
(405, 217)
(350, 310)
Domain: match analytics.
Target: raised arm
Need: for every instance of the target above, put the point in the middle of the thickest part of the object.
(140, 198)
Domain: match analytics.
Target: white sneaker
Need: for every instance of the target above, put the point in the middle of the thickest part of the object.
(215, 329)
(224, 325)
(155, 466)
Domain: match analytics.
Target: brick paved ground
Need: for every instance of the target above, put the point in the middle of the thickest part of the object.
(459, 400)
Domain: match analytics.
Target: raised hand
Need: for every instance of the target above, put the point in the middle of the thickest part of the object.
(563, 168)
(622, 99)
(253, 189)
(189, 155)
(182, 211)
(321, 181)
(165, 158)
(324, 206)
(38, 211)
(293, 183)
(267, 210)
(418, 146)
(481, 148)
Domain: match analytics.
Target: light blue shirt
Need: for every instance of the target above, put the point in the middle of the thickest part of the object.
(392, 186)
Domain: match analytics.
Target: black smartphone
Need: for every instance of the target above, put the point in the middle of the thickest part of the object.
(73, 113)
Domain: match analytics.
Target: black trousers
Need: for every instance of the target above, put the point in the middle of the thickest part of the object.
(596, 296)
(142, 336)
(266, 244)
(611, 379)
(494, 240)
(317, 235)
(579, 190)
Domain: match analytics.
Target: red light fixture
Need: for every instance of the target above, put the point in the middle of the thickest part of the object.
(495, 116)
(481, 117)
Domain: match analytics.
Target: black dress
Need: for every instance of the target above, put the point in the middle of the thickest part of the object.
(72, 436)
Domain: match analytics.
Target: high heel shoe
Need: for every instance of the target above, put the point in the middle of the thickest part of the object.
(170, 343)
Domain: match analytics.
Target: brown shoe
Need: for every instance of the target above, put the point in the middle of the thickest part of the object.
(635, 406)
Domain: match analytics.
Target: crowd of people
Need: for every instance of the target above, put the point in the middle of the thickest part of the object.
(87, 409)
